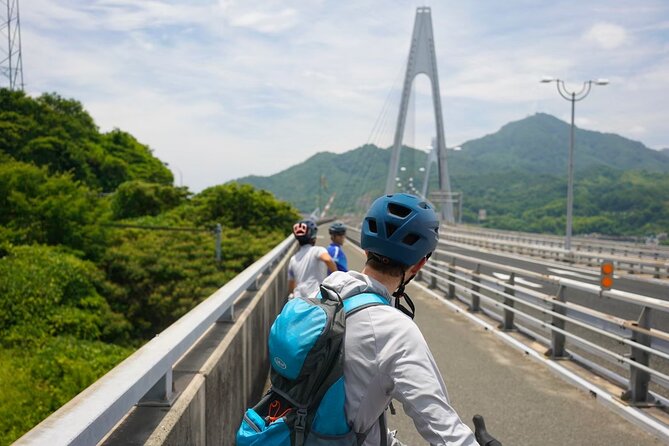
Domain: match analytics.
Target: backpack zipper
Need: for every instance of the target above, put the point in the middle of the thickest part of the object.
(252, 424)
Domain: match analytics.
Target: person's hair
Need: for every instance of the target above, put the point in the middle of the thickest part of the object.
(303, 242)
(384, 265)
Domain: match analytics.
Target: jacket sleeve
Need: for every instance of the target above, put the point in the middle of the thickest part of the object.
(417, 384)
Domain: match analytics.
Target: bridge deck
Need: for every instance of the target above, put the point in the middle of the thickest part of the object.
(522, 401)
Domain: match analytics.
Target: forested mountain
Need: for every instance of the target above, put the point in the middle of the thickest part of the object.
(88, 271)
(517, 174)
(539, 144)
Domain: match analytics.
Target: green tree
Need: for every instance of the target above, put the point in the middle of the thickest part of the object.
(137, 198)
(240, 206)
(52, 210)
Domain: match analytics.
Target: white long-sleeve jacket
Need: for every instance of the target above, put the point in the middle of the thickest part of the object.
(385, 358)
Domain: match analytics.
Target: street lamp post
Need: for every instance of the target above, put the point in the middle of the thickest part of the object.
(573, 97)
(181, 182)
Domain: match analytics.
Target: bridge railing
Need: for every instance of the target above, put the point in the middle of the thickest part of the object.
(658, 268)
(632, 353)
(146, 375)
(517, 306)
(578, 243)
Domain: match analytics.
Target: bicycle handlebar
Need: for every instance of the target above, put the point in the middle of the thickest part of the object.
(482, 435)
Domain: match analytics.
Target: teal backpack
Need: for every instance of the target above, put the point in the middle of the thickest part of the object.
(305, 403)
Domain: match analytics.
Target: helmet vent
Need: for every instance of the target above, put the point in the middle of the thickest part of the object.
(372, 225)
(424, 205)
(410, 239)
(390, 229)
(398, 210)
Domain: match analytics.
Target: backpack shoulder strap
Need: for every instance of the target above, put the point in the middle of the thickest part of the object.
(362, 301)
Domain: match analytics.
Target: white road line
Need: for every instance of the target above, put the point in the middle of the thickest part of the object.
(564, 272)
(502, 276)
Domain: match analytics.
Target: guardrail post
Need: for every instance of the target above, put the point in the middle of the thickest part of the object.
(557, 351)
(638, 387)
(474, 306)
(255, 285)
(433, 280)
(508, 314)
(218, 230)
(451, 280)
(228, 315)
(161, 394)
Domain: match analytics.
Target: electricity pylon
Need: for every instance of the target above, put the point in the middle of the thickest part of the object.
(11, 61)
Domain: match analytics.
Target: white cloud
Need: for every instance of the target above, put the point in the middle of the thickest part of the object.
(607, 35)
(222, 89)
(267, 22)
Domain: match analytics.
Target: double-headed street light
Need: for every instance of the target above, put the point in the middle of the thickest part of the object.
(573, 97)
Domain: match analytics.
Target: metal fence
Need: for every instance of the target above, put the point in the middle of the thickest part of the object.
(624, 261)
(146, 376)
(572, 321)
(620, 248)
(633, 353)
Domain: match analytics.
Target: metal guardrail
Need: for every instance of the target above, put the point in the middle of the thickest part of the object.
(569, 324)
(624, 249)
(588, 329)
(633, 265)
(146, 376)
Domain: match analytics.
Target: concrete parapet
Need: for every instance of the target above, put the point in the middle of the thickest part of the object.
(223, 374)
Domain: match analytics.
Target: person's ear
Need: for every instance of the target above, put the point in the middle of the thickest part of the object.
(414, 269)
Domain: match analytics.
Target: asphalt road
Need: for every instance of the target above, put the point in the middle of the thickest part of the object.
(522, 402)
(650, 288)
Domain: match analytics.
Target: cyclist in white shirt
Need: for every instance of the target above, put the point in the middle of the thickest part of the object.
(311, 264)
(385, 354)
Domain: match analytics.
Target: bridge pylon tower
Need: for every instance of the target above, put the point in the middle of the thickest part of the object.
(11, 60)
(423, 60)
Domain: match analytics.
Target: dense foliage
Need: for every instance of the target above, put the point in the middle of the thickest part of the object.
(59, 134)
(99, 251)
(518, 175)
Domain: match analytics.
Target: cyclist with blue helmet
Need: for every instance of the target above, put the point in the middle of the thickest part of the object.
(338, 236)
(385, 354)
(310, 264)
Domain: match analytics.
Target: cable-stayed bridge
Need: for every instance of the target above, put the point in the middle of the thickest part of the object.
(521, 328)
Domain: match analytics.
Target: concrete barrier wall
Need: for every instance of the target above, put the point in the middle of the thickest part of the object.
(222, 375)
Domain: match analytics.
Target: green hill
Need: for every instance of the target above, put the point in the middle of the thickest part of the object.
(539, 144)
(60, 135)
(517, 174)
(88, 271)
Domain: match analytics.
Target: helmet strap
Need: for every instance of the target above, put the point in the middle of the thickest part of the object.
(399, 294)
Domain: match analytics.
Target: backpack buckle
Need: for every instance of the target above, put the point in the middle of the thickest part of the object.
(301, 420)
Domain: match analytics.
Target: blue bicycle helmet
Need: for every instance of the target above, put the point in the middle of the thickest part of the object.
(305, 231)
(401, 227)
(337, 228)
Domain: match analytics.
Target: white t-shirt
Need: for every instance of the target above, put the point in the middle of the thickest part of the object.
(307, 269)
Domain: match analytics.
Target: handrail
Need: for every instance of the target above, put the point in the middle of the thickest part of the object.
(578, 243)
(613, 294)
(655, 263)
(473, 287)
(87, 418)
(659, 268)
(504, 299)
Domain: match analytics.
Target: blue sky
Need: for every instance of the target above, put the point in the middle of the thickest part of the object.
(220, 89)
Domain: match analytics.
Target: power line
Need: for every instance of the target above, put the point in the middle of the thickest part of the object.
(158, 228)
